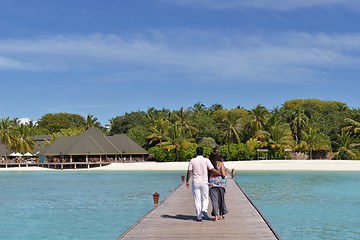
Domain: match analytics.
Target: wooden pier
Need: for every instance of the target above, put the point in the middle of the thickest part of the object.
(21, 164)
(174, 218)
(59, 166)
(73, 165)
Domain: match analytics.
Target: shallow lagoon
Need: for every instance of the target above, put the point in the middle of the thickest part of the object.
(77, 205)
(307, 205)
(102, 205)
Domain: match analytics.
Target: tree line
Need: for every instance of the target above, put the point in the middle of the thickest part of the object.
(308, 127)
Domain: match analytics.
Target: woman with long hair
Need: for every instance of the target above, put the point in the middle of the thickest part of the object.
(217, 185)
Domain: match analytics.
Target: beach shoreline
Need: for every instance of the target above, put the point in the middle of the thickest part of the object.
(255, 165)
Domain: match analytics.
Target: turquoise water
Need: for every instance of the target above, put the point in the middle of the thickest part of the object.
(307, 205)
(102, 205)
(77, 205)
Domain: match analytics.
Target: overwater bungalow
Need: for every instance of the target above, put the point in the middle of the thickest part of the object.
(92, 148)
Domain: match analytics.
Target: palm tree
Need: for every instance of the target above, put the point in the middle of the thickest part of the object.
(314, 140)
(92, 121)
(258, 117)
(150, 113)
(24, 141)
(216, 107)
(275, 134)
(176, 140)
(198, 108)
(31, 124)
(183, 118)
(159, 127)
(7, 133)
(15, 121)
(298, 123)
(353, 125)
(231, 128)
(280, 137)
(347, 144)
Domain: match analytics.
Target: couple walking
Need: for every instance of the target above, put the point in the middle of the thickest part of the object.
(207, 174)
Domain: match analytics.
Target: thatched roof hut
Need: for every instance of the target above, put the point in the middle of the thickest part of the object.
(93, 145)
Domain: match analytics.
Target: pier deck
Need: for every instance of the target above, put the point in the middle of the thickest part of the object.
(174, 218)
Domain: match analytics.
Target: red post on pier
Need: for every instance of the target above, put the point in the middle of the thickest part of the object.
(183, 178)
(233, 173)
(156, 196)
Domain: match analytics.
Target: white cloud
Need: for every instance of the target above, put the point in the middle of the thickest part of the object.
(12, 64)
(189, 53)
(280, 5)
(24, 120)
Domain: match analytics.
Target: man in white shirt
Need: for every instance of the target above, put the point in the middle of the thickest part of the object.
(198, 168)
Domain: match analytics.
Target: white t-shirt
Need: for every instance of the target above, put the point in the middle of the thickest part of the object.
(199, 167)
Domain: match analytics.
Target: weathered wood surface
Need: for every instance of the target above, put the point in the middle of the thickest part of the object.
(175, 219)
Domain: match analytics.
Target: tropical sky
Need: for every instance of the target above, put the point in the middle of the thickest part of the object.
(110, 57)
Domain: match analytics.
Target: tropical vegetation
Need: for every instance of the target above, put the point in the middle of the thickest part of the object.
(311, 127)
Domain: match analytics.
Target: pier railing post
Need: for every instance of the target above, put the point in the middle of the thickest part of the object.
(156, 196)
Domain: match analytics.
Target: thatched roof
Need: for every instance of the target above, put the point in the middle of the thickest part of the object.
(93, 142)
(126, 144)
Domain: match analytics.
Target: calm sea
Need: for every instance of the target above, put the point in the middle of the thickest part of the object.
(102, 205)
(307, 205)
(77, 205)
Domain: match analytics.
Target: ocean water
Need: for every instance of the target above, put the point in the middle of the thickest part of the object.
(307, 205)
(102, 205)
(77, 205)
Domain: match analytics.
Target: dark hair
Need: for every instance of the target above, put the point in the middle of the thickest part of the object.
(215, 157)
(199, 151)
(219, 158)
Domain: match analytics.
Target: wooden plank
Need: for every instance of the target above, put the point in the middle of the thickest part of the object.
(174, 218)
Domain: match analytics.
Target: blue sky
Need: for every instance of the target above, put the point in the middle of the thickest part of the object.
(110, 57)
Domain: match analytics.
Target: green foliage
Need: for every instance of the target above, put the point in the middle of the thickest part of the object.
(206, 126)
(230, 126)
(314, 140)
(189, 153)
(7, 133)
(276, 154)
(304, 125)
(162, 155)
(258, 117)
(176, 140)
(122, 124)
(252, 144)
(72, 131)
(54, 122)
(139, 135)
(92, 121)
(207, 151)
(347, 146)
(235, 152)
(15, 136)
(353, 122)
(307, 125)
(327, 116)
(24, 141)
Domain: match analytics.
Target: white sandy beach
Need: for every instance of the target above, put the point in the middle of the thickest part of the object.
(256, 165)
